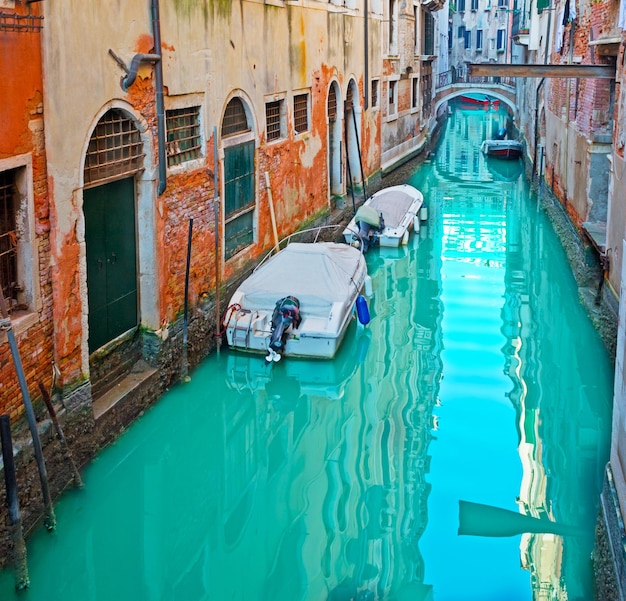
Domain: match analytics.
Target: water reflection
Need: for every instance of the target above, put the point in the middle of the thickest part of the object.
(478, 378)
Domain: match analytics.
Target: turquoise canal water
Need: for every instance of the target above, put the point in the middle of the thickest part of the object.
(478, 386)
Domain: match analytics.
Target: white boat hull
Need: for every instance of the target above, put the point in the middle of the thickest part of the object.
(326, 285)
(397, 229)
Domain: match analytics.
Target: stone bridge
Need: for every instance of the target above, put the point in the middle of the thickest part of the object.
(458, 82)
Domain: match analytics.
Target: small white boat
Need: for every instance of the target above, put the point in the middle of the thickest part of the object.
(385, 218)
(503, 149)
(299, 302)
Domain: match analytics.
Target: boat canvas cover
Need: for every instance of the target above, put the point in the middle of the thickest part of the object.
(393, 204)
(368, 214)
(317, 274)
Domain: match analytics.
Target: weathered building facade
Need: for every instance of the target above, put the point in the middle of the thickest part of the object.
(574, 133)
(24, 205)
(237, 121)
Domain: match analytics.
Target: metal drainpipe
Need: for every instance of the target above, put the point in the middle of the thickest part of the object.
(130, 77)
(543, 79)
(366, 74)
(160, 109)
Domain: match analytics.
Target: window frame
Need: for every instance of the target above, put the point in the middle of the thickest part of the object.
(501, 40)
(392, 87)
(27, 243)
(198, 149)
(479, 40)
(298, 95)
(282, 119)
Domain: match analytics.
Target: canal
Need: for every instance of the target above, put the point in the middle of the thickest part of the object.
(453, 450)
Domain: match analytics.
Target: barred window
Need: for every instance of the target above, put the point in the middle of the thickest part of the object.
(183, 135)
(235, 120)
(115, 149)
(301, 113)
(273, 113)
(332, 105)
(8, 238)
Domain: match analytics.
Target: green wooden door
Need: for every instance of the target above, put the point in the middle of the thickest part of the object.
(111, 260)
(239, 199)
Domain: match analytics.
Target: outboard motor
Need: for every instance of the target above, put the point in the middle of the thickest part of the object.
(286, 314)
(371, 224)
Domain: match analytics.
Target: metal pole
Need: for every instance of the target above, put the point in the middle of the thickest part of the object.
(345, 133)
(17, 534)
(358, 147)
(185, 370)
(78, 481)
(216, 208)
(7, 326)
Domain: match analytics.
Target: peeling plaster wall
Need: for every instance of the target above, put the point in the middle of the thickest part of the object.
(23, 154)
(211, 52)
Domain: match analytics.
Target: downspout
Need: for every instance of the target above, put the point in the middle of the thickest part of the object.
(160, 108)
(546, 56)
(543, 79)
(131, 74)
(366, 74)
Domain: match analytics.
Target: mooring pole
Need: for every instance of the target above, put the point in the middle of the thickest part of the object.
(185, 371)
(20, 564)
(7, 326)
(358, 148)
(78, 481)
(216, 210)
(345, 133)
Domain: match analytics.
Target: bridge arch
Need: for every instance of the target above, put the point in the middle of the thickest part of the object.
(453, 91)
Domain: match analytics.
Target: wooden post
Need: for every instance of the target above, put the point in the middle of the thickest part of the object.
(15, 521)
(78, 481)
(272, 215)
(7, 326)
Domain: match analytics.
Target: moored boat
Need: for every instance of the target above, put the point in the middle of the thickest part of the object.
(299, 301)
(479, 100)
(385, 218)
(503, 149)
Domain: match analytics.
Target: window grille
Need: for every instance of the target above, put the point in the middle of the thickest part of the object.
(301, 113)
(115, 149)
(235, 120)
(8, 239)
(272, 120)
(183, 135)
(332, 105)
(461, 6)
(474, 4)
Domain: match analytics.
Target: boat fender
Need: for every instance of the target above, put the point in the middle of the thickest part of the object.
(405, 238)
(423, 213)
(416, 223)
(367, 285)
(362, 311)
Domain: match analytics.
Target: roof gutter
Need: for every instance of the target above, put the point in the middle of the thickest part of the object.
(160, 107)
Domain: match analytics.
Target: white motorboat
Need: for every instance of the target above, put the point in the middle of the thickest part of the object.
(299, 301)
(385, 218)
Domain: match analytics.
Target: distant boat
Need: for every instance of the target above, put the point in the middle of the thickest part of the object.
(385, 218)
(503, 149)
(299, 302)
(479, 100)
